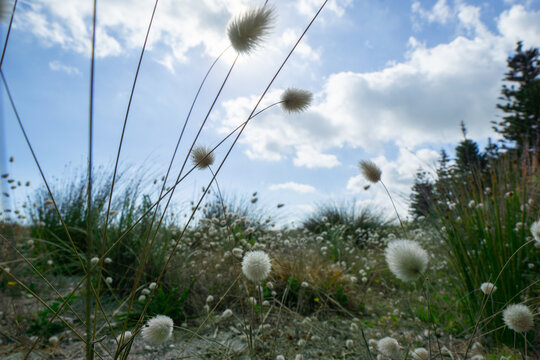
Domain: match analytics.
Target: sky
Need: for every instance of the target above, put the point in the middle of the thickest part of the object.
(391, 82)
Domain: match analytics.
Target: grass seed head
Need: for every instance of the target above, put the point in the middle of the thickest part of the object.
(296, 100)
(256, 265)
(488, 288)
(535, 230)
(406, 259)
(202, 157)
(388, 347)
(370, 171)
(518, 317)
(158, 330)
(420, 354)
(246, 31)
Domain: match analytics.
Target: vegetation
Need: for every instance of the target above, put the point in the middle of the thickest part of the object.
(99, 267)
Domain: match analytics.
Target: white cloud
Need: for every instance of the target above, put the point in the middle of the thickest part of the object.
(309, 157)
(309, 7)
(519, 24)
(178, 27)
(421, 100)
(58, 66)
(301, 188)
(440, 12)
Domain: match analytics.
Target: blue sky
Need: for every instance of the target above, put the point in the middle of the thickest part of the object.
(391, 82)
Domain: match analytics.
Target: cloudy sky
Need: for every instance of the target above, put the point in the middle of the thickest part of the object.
(391, 82)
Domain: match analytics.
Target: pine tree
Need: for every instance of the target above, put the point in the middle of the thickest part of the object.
(421, 195)
(468, 156)
(521, 100)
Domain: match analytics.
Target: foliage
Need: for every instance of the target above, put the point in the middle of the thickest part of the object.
(351, 221)
(43, 317)
(421, 195)
(521, 100)
(127, 206)
(485, 229)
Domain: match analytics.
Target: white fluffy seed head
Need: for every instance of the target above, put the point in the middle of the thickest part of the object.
(535, 230)
(226, 313)
(488, 288)
(420, 354)
(256, 265)
(518, 317)
(295, 100)
(247, 30)
(406, 259)
(370, 171)
(389, 347)
(53, 340)
(158, 329)
(127, 337)
(202, 157)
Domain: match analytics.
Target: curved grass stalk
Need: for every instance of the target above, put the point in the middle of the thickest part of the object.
(147, 247)
(89, 231)
(8, 32)
(104, 240)
(484, 303)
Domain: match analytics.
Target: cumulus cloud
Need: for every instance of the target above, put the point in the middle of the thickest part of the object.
(178, 27)
(301, 188)
(411, 103)
(519, 24)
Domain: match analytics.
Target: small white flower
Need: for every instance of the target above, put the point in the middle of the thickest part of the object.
(49, 262)
(145, 291)
(472, 204)
(108, 280)
(349, 343)
(152, 286)
(158, 329)
(304, 284)
(518, 317)
(488, 288)
(209, 299)
(280, 357)
(107, 260)
(94, 260)
(142, 298)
